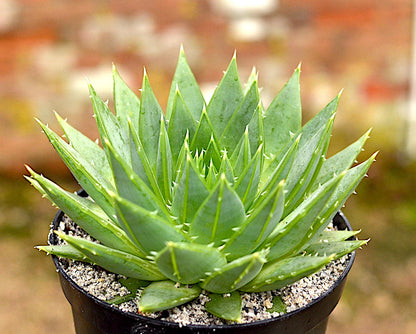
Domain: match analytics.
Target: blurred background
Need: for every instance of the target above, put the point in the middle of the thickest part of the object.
(50, 48)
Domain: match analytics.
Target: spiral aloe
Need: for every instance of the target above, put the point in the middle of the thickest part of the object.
(224, 196)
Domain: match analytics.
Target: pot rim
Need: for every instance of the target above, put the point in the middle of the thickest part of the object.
(137, 317)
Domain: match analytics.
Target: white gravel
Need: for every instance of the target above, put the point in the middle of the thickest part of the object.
(104, 285)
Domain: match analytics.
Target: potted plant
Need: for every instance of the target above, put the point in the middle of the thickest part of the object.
(224, 198)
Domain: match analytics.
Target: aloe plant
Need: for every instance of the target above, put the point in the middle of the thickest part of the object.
(224, 196)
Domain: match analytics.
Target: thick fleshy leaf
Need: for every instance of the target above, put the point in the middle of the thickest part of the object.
(290, 234)
(181, 124)
(258, 225)
(226, 98)
(226, 307)
(336, 248)
(242, 154)
(126, 102)
(278, 305)
(141, 164)
(184, 81)
(132, 284)
(164, 295)
(248, 181)
(164, 168)
(89, 149)
(211, 178)
(149, 121)
(278, 274)
(212, 154)
(256, 128)
(109, 127)
(278, 169)
(240, 119)
(254, 76)
(87, 176)
(311, 154)
(188, 263)
(66, 251)
(87, 214)
(226, 169)
(114, 260)
(203, 134)
(235, 274)
(344, 189)
(283, 117)
(305, 164)
(189, 193)
(132, 187)
(221, 212)
(340, 161)
(334, 236)
(150, 231)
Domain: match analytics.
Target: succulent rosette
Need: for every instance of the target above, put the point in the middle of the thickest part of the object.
(225, 195)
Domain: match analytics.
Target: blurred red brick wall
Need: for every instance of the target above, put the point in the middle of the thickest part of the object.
(48, 47)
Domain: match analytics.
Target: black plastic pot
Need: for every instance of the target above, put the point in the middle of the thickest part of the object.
(93, 316)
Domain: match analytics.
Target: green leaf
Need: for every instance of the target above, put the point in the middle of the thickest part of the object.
(109, 127)
(290, 234)
(88, 177)
(164, 295)
(344, 189)
(221, 212)
(278, 305)
(284, 116)
(132, 187)
(203, 134)
(150, 231)
(258, 225)
(253, 77)
(336, 248)
(226, 169)
(189, 193)
(278, 274)
(226, 307)
(117, 300)
(188, 263)
(184, 81)
(305, 164)
(181, 124)
(226, 98)
(340, 161)
(141, 164)
(235, 274)
(115, 260)
(247, 183)
(212, 154)
(256, 129)
(132, 284)
(278, 169)
(211, 178)
(149, 122)
(66, 251)
(240, 119)
(242, 154)
(126, 102)
(87, 214)
(332, 235)
(90, 150)
(320, 119)
(164, 163)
